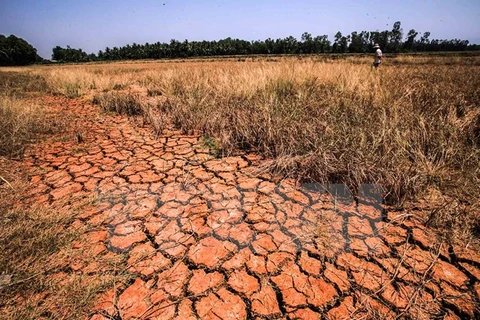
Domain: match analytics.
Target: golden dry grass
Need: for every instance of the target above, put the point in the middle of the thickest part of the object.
(20, 121)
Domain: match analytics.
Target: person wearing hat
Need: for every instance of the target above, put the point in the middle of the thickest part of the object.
(378, 55)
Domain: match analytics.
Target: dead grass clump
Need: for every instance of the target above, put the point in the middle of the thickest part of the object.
(154, 92)
(458, 221)
(132, 104)
(72, 90)
(71, 84)
(153, 116)
(20, 121)
(122, 103)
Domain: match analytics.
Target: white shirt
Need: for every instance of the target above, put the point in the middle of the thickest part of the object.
(378, 55)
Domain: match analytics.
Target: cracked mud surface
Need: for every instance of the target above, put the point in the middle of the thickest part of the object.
(206, 238)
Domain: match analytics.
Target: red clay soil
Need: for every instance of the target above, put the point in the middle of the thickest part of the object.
(205, 238)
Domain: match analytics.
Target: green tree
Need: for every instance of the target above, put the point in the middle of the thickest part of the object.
(410, 42)
(424, 42)
(322, 44)
(396, 36)
(341, 43)
(69, 55)
(308, 45)
(356, 43)
(291, 45)
(15, 51)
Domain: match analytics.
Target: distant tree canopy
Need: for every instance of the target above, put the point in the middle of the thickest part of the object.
(17, 52)
(69, 55)
(356, 42)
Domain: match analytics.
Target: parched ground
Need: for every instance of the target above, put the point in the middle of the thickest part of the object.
(206, 238)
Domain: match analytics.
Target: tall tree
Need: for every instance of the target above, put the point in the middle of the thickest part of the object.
(356, 43)
(396, 36)
(16, 51)
(410, 42)
(307, 43)
(341, 43)
(424, 42)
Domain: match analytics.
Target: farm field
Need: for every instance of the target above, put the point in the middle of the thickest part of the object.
(299, 187)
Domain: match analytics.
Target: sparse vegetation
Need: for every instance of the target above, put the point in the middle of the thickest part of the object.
(213, 146)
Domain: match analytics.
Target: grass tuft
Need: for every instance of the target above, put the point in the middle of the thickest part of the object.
(121, 103)
(20, 122)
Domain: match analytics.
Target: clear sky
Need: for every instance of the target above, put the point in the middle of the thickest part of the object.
(94, 25)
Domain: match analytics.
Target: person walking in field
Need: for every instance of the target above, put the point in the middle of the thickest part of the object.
(378, 56)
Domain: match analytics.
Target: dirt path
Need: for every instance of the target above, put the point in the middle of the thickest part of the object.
(204, 238)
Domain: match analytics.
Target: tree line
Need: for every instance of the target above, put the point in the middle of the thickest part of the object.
(391, 41)
(16, 51)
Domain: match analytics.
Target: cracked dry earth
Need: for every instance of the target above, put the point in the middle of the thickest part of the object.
(206, 238)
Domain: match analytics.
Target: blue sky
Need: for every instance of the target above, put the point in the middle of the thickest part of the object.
(94, 25)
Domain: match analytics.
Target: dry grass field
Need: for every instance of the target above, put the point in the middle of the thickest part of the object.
(412, 126)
